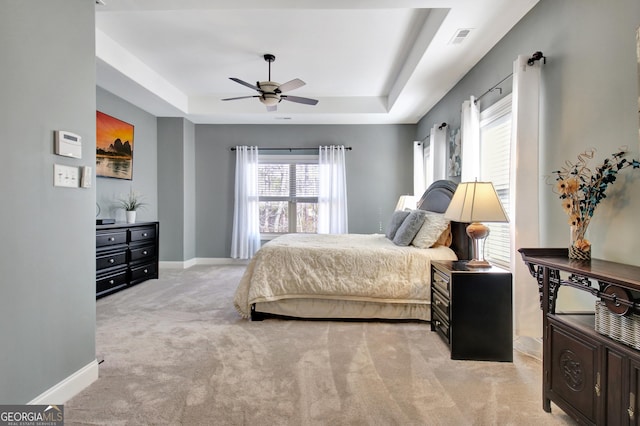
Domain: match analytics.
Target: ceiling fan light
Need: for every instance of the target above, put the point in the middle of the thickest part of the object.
(270, 99)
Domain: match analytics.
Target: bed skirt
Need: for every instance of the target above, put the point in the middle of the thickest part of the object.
(345, 309)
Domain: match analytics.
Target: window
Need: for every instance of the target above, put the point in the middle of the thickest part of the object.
(288, 193)
(495, 166)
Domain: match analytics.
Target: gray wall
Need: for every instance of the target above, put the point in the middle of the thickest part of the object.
(589, 99)
(47, 299)
(379, 170)
(145, 161)
(176, 186)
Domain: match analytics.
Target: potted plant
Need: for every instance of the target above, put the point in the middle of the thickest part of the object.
(131, 203)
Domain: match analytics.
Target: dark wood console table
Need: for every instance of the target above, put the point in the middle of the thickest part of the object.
(591, 376)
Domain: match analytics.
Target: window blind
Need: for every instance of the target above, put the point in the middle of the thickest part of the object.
(288, 193)
(495, 167)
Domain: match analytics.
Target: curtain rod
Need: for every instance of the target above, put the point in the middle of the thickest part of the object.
(537, 56)
(347, 148)
(494, 87)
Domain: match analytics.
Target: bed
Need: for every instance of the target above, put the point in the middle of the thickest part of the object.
(350, 276)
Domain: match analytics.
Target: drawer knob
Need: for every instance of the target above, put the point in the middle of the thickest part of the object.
(111, 282)
(438, 303)
(144, 252)
(438, 323)
(112, 238)
(146, 271)
(144, 234)
(112, 260)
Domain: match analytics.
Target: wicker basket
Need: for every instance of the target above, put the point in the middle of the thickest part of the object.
(625, 329)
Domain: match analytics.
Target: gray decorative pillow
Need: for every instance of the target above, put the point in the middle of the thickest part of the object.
(409, 228)
(394, 223)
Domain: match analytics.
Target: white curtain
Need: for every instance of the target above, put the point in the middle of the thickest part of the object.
(245, 240)
(470, 141)
(437, 159)
(418, 169)
(525, 179)
(332, 191)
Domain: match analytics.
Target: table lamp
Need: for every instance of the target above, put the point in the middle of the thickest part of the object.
(476, 202)
(406, 202)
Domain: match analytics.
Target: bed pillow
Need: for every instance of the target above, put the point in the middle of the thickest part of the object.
(409, 228)
(433, 231)
(394, 223)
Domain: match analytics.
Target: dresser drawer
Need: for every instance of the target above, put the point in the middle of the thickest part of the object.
(441, 305)
(440, 281)
(141, 234)
(142, 253)
(111, 260)
(105, 239)
(144, 272)
(111, 282)
(441, 325)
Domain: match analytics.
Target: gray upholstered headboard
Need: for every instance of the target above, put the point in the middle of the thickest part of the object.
(436, 199)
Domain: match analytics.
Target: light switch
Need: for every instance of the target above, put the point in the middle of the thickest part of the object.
(65, 176)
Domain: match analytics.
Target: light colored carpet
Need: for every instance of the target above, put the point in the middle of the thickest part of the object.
(176, 353)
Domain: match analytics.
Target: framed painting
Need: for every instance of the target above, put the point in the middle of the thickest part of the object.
(455, 160)
(114, 147)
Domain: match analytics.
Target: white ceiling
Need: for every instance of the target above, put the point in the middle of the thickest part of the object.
(367, 62)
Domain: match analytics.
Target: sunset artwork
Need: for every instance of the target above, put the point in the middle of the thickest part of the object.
(114, 147)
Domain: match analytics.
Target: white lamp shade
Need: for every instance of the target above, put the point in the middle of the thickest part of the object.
(476, 202)
(406, 202)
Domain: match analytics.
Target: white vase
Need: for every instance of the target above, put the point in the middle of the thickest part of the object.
(131, 216)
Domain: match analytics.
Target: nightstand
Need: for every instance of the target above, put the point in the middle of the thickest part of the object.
(471, 309)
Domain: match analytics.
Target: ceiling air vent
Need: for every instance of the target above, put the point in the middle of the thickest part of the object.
(460, 35)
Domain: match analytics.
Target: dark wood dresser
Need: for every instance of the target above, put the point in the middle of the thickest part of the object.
(591, 376)
(471, 309)
(126, 254)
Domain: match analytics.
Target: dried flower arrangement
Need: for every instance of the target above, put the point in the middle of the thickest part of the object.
(581, 190)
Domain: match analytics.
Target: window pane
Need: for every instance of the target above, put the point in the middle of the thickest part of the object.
(273, 179)
(306, 180)
(288, 188)
(274, 216)
(495, 153)
(307, 217)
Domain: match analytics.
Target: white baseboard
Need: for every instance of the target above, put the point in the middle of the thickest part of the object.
(69, 387)
(220, 261)
(201, 261)
(531, 346)
(177, 265)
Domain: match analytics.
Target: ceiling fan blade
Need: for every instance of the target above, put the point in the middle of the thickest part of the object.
(272, 108)
(290, 85)
(241, 97)
(298, 99)
(244, 83)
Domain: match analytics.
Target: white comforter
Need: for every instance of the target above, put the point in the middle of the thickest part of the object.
(344, 267)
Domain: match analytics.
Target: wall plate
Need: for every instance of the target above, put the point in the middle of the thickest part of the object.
(67, 176)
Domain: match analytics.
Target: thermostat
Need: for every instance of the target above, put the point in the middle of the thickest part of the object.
(68, 144)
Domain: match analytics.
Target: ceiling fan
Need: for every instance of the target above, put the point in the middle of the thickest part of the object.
(271, 93)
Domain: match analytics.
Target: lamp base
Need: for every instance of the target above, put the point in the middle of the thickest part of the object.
(478, 233)
(475, 263)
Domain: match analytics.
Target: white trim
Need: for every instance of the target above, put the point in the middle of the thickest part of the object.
(201, 261)
(177, 264)
(220, 261)
(69, 387)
